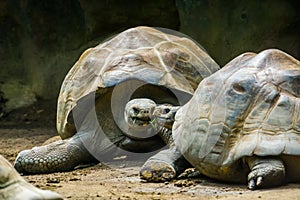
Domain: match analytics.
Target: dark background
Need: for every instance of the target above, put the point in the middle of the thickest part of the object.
(40, 40)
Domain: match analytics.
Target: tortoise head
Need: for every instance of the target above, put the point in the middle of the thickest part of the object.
(164, 114)
(139, 112)
(143, 112)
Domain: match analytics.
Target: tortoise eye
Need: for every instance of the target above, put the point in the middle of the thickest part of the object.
(135, 110)
(166, 110)
(238, 88)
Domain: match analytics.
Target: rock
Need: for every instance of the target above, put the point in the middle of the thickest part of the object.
(40, 41)
(227, 29)
(16, 95)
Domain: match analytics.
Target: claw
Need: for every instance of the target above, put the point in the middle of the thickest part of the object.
(259, 181)
(251, 184)
(265, 172)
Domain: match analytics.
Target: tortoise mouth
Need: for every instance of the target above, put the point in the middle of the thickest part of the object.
(156, 121)
(165, 122)
(140, 121)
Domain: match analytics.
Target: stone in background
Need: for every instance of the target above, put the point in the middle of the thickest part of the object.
(229, 28)
(41, 40)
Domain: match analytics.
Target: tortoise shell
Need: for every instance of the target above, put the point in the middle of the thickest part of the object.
(249, 107)
(142, 53)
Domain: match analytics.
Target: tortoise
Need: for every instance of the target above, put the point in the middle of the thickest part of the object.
(242, 124)
(141, 62)
(14, 187)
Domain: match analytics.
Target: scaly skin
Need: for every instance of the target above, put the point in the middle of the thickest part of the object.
(63, 155)
(164, 166)
(265, 172)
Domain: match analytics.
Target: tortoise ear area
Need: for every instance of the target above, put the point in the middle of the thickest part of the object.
(239, 88)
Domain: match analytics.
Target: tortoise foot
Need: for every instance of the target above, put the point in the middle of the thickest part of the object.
(265, 173)
(154, 171)
(59, 156)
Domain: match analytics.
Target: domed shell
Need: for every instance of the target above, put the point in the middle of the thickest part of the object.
(249, 107)
(142, 53)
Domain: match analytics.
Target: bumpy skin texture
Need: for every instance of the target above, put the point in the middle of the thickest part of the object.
(243, 122)
(140, 62)
(14, 187)
(267, 172)
(63, 155)
(164, 166)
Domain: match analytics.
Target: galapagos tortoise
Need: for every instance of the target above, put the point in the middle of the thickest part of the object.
(141, 62)
(241, 125)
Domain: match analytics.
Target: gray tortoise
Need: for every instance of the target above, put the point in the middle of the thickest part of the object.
(14, 187)
(140, 62)
(242, 124)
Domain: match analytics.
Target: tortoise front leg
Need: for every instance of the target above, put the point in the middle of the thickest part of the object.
(164, 166)
(265, 172)
(59, 156)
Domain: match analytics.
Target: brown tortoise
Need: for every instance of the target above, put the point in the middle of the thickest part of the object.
(140, 62)
(241, 125)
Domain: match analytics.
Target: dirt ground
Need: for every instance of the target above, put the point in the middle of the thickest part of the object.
(30, 127)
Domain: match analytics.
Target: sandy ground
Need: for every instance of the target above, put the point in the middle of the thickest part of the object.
(31, 127)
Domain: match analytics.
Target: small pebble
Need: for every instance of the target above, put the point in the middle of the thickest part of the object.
(74, 179)
(53, 180)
